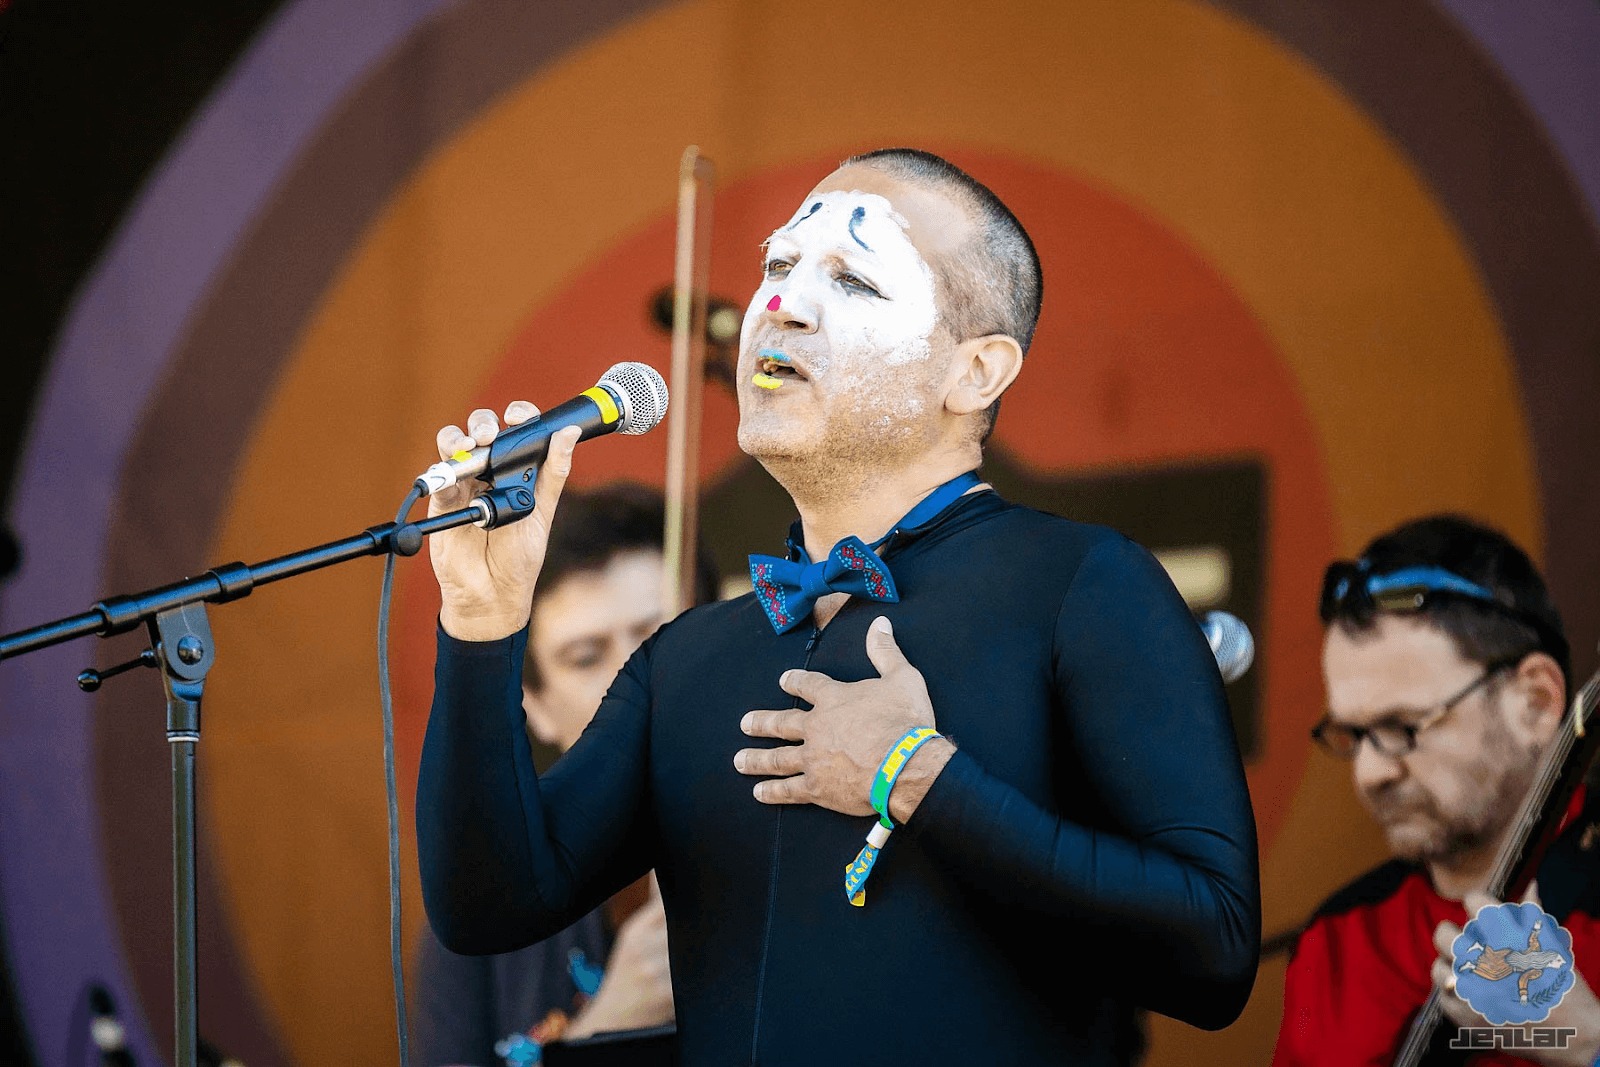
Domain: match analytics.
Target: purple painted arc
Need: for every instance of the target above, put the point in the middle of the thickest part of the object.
(1550, 59)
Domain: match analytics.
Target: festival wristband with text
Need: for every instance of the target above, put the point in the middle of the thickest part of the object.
(855, 875)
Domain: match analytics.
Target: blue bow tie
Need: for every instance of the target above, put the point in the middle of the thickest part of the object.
(787, 589)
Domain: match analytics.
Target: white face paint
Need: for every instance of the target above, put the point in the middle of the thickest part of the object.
(844, 262)
(848, 301)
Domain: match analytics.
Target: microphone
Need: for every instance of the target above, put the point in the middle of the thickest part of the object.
(1230, 642)
(630, 398)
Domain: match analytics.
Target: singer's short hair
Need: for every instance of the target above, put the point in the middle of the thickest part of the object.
(594, 527)
(995, 283)
(1525, 621)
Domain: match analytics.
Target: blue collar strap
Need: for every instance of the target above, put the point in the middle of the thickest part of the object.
(927, 509)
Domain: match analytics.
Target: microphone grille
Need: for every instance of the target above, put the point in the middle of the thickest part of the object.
(1230, 642)
(642, 393)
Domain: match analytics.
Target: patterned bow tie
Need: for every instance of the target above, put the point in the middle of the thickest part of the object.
(787, 589)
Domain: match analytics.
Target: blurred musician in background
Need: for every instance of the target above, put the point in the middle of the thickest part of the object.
(600, 595)
(1447, 674)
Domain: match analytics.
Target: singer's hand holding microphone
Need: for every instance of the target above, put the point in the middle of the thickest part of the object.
(487, 576)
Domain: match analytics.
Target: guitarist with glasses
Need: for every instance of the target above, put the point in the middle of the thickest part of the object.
(1447, 674)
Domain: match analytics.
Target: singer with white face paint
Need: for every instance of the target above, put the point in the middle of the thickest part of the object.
(945, 736)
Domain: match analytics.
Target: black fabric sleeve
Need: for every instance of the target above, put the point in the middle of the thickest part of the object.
(1170, 868)
(507, 857)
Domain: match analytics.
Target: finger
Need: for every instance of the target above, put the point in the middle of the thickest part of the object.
(1443, 977)
(452, 439)
(554, 471)
(882, 649)
(482, 426)
(519, 412)
(786, 725)
(1476, 900)
(1444, 935)
(784, 760)
(810, 686)
(1531, 895)
(794, 790)
(655, 888)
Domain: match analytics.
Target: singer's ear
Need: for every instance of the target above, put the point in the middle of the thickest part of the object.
(980, 371)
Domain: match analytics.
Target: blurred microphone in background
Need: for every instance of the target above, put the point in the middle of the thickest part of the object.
(110, 1037)
(106, 1029)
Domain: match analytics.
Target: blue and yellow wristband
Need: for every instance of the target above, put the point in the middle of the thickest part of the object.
(855, 875)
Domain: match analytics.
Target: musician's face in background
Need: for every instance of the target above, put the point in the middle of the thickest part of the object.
(849, 298)
(1455, 794)
(582, 631)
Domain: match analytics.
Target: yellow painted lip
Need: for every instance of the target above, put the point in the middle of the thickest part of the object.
(765, 380)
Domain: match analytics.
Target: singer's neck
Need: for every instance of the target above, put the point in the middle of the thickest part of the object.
(867, 504)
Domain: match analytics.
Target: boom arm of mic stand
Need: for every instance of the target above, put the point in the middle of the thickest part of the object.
(230, 581)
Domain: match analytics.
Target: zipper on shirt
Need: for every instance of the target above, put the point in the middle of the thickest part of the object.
(772, 886)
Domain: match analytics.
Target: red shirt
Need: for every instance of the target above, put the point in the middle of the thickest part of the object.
(1360, 971)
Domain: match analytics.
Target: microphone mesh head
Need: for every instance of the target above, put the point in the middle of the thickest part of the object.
(1230, 642)
(641, 393)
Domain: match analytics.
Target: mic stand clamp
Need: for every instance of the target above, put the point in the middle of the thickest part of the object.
(503, 506)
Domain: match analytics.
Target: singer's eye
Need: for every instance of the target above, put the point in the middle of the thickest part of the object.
(857, 284)
(776, 268)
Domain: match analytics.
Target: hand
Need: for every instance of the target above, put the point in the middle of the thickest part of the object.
(486, 577)
(637, 989)
(844, 737)
(1579, 1009)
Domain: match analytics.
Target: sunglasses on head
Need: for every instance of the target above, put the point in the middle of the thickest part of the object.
(1352, 588)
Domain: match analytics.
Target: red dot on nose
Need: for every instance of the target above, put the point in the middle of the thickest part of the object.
(772, 305)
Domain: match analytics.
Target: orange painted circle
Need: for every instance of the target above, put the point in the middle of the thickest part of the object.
(1144, 356)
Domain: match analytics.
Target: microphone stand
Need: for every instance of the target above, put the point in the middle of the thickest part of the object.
(181, 644)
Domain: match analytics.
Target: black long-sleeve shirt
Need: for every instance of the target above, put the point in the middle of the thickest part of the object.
(1087, 851)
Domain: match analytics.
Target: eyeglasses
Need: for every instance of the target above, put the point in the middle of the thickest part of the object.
(1394, 738)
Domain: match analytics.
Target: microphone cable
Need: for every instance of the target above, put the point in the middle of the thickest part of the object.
(386, 698)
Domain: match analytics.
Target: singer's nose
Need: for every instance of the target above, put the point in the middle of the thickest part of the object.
(788, 309)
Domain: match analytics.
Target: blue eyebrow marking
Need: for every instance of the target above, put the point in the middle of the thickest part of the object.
(814, 209)
(856, 216)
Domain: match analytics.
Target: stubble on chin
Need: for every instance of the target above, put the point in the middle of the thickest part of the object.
(1439, 832)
